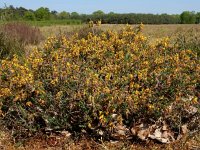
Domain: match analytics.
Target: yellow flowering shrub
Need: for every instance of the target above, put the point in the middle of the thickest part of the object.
(76, 84)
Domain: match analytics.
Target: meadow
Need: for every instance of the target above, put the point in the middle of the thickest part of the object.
(100, 87)
(154, 31)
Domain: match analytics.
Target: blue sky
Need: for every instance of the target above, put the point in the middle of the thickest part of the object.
(119, 6)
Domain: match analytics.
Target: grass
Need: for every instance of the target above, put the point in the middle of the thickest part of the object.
(59, 29)
(50, 22)
(153, 31)
(55, 27)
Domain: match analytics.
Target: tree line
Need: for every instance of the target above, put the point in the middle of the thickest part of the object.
(11, 13)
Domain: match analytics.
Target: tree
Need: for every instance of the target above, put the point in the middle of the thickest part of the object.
(54, 14)
(111, 13)
(29, 15)
(21, 11)
(74, 15)
(42, 14)
(188, 17)
(198, 17)
(98, 13)
(7, 13)
(64, 15)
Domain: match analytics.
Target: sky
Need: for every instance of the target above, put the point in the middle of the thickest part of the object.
(117, 6)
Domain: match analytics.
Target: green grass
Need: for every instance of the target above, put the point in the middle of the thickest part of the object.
(55, 22)
(49, 22)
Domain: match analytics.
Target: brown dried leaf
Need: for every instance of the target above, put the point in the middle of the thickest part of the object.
(184, 129)
(66, 133)
(143, 134)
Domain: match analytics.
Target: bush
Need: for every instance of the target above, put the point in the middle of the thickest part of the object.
(15, 36)
(96, 83)
(9, 46)
(83, 32)
(189, 39)
(23, 33)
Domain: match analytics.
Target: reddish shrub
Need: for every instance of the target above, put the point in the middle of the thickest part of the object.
(23, 33)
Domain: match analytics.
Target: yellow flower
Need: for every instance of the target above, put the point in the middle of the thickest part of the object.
(107, 78)
(89, 125)
(101, 117)
(151, 107)
(195, 100)
(131, 85)
(131, 76)
(54, 81)
(106, 90)
(59, 95)
(5, 92)
(29, 104)
(42, 102)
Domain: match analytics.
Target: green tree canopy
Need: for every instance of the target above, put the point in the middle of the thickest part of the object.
(42, 13)
(74, 15)
(98, 13)
(64, 15)
(198, 17)
(188, 17)
(29, 15)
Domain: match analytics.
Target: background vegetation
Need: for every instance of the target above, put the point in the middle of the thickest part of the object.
(44, 14)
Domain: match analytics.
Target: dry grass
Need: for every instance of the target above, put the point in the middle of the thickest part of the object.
(157, 31)
(59, 29)
(154, 32)
(45, 143)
